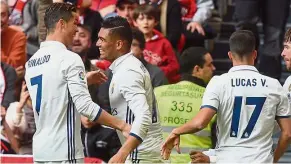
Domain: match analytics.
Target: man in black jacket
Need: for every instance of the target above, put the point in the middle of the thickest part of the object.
(7, 82)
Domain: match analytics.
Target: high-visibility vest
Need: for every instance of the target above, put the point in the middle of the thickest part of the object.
(178, 104)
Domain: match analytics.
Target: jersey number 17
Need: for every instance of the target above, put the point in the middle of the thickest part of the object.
(258, 102)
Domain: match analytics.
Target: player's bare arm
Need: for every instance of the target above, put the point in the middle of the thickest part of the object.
(130, 144)
(109, 120)
(285, 138)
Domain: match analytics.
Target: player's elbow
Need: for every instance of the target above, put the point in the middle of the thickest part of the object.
(200, 124)
(286, 134)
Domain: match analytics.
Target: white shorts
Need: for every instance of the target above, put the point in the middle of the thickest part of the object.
(57, 162)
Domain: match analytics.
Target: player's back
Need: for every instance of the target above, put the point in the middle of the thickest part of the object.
(248, 105)
(57, 122)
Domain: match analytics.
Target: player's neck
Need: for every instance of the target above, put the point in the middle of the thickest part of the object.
(54, 37)
(238, 63)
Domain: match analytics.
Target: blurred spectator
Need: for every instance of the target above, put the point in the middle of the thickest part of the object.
(103, 6)
(158, 77)
(81, 46)
(274, 16)
(7, 82)
(93, 20)
(9, 144)
(13, 42)
(170, 19)
(43, 5)
(16, 16)
(194, 16)
(158, 50)
(20, 119)
(7, 86)
(124, 8)
(90, 18)
(29, 26)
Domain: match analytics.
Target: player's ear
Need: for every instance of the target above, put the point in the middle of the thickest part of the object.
(119, 44)
(230, 55)
(61, 24)
(255, 54)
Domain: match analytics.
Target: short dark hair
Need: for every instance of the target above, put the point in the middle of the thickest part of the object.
(57, 11)
(86, 27)
(138, 35)
(191, 57)
(242, 43)
(121, 2)
(119, 27)
(287, 37)
(148, 10)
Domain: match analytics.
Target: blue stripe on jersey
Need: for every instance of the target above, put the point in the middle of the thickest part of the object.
(98, 114)
(209, 106)
(73, 135)
(127, 112)
(71, 129)
(68, 130)
(279, 117)
(136, 136)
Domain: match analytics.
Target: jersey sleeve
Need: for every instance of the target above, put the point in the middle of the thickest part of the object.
(131, 87)
(211, 94)
(77, 84)
(283, 108)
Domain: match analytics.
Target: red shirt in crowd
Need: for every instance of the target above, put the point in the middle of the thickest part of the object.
(188, 9)
(158, 51)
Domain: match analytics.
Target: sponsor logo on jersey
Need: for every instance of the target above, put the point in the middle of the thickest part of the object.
(81, 75)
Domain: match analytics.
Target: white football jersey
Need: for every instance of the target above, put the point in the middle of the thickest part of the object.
(131, 99)
(56, 82)
(287, 88)
(247, 103)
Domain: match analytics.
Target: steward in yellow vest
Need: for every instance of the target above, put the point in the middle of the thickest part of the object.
(179, 103)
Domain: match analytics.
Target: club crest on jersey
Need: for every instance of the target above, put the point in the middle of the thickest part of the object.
(81, 75)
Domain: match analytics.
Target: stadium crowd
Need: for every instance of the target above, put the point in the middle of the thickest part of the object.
(169, 38)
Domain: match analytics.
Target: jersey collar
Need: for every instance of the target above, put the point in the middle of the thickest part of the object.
(243, 68)
(117, 61)
(52, 43)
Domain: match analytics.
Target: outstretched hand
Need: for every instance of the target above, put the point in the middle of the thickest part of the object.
(96, 77)
(173, 140)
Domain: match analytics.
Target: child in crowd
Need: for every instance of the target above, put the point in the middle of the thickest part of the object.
(158, 50)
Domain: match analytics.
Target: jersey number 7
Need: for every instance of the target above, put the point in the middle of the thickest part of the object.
(258, 102)
(37, 80)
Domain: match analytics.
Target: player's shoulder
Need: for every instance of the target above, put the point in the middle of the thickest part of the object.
(219, 79)
(71, 58)
(287, 83)
(135, 65)
(271, 81)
